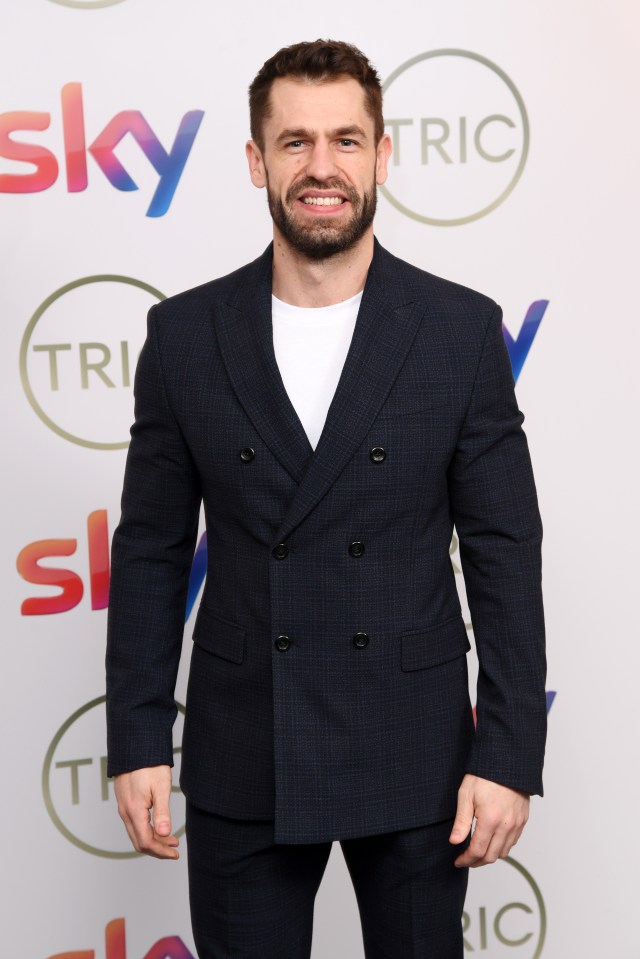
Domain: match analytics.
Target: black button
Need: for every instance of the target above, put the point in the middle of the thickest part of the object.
(247, 454)
(283, 643)
(356, 548)
(280, 551)
(360, 640)
(377, 454)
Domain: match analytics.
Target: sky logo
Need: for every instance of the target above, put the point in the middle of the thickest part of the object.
(171, 947)
(519, 349)
(168, 164)
(69, 583)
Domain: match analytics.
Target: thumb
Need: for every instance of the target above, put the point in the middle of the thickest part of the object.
(464, 817)
(161, 814)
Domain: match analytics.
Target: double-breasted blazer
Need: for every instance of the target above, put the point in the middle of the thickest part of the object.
(328, 681)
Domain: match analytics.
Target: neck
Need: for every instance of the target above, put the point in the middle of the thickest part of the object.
(303, 282)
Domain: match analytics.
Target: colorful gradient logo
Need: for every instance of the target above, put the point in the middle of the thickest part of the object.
(115, 946)
(169, 165)
(69, 583)
(72, 584)
(519, 349)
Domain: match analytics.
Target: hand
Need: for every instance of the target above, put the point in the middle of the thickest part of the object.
(138, 792)
(501, 814)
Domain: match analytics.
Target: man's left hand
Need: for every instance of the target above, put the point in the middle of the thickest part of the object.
(501, 814)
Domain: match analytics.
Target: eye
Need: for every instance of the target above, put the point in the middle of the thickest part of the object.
(295, 143)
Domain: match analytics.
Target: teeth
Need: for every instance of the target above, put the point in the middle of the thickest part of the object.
(322, 200)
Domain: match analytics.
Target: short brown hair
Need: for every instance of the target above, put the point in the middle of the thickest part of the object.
(321, 60)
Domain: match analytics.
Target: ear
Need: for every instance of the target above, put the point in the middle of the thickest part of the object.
(256, 164)
(383, 153)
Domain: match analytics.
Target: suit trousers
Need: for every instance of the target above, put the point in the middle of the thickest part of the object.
(252, 898)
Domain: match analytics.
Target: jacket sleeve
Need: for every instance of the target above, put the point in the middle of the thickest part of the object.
(495, 510)
(151, 558)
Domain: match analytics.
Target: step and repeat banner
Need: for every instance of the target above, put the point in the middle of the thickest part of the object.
(123, 181)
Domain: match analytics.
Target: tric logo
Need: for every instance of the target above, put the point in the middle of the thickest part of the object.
(78, 357)
(460, 136)
(169, 165)
(78, 794)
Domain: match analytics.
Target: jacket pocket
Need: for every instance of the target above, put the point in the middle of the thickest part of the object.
(420, 649)
(218, 636)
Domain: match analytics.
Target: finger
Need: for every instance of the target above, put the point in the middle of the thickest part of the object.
(511, 839)
(138, 822)
(141, 833)
(492, 853)
(490, 844)
(161, 814)
(464, 818)
(480, 841)
(163, 847)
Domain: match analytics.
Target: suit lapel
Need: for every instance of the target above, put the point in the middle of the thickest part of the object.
(387, 323)
(245, 335)
(385, 328)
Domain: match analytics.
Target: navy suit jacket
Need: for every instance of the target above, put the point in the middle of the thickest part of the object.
(335, 735)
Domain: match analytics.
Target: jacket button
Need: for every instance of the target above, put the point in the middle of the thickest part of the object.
(280, 551)
(283, 643)
(356, 548)
(377, 454)
(360, 640)
(247, 454)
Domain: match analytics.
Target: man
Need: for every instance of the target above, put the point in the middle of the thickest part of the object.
(337, 411)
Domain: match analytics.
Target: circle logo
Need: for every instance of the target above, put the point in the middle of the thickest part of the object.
(78, 357)
(460, 136)
(504, 913)
(87, 4)
(77, 794)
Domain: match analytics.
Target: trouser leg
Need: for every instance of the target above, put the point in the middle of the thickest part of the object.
(250, 898)
(410, 895)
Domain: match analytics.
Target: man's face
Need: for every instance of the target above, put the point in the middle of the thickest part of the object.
(320, 164)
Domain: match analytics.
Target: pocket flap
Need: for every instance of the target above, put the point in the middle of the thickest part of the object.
(434, 645)
(218, 636)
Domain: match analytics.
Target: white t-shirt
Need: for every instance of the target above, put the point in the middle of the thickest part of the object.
(311, 345)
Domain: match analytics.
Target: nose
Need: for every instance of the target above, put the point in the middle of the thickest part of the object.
(321, 163)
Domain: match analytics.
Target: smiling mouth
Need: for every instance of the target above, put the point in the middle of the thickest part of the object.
(323, 200)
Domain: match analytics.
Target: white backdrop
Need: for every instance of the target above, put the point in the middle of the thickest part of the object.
(532, 111)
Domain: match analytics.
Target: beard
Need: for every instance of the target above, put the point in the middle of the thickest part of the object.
(322, 238)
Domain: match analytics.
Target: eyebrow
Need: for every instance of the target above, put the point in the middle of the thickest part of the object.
(300, 133)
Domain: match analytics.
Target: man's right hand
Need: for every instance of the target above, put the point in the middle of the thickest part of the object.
(143, 805)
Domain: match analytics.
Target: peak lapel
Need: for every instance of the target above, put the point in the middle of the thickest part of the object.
(245, 336)
(387, 323)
